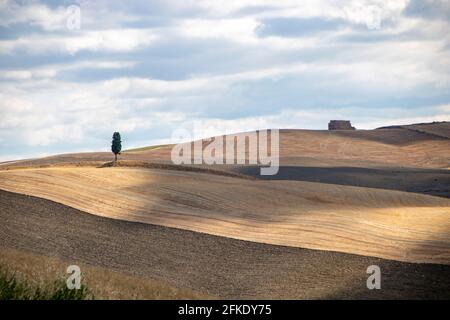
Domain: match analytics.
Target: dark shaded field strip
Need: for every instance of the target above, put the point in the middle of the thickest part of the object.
(435, 182)
(219, 266)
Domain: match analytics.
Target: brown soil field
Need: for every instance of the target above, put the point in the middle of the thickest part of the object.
(373, 222)
(211, 265)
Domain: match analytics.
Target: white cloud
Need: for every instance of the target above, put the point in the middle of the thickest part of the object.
(445, 108)
(34, 14)
(180, 66)
(14, 104)
(365, 12)
(372, 13)
(121, 40)
(242, 29)
(17, 75)
(51, 71)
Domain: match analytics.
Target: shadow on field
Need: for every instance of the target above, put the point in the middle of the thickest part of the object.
(426, 181)
(400, 281)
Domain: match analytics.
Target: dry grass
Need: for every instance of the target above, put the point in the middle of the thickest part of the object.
(40, 271)
(387, 224)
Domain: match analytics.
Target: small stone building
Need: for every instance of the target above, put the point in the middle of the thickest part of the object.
(340, 125)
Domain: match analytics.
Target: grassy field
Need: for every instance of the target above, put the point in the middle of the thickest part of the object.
(28, 276)
(13, 289)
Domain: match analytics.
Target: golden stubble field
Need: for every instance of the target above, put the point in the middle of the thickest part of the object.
(373, 222)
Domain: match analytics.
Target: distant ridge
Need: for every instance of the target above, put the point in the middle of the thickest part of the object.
(424, 146)
(436, 128)
(397, 126)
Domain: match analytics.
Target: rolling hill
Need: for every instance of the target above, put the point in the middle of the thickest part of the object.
(372, 193)
(387, 224)
(391, 147)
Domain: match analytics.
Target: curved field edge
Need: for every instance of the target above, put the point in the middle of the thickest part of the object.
(388, 224)
(132, 164)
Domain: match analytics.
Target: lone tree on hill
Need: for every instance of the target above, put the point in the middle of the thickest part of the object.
(116, 145)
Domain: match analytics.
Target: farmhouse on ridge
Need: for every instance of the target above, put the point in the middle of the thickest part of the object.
(340, 125)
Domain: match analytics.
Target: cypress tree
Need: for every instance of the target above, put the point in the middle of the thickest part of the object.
(116, 145)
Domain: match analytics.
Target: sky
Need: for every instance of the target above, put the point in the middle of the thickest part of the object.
(73, 72)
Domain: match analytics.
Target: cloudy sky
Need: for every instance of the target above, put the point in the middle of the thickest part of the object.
(147, 68)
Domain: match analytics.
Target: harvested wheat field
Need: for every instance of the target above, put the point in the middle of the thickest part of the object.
(387, 224)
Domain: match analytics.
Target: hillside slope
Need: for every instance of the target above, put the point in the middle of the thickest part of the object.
(388, 224)
(361, 148)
